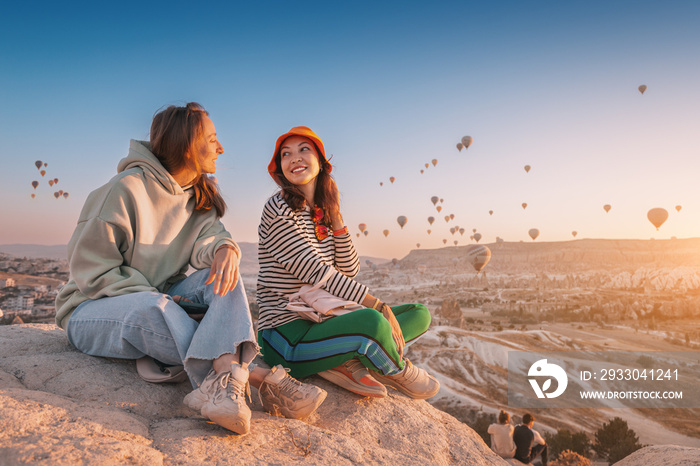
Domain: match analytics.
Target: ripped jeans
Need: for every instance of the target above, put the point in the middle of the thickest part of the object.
(150, 323)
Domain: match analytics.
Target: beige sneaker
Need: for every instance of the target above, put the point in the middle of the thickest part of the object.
(355, 377)
(224, 399)
(412, 381)
(282, 394)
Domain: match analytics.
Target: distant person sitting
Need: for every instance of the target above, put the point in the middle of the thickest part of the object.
(528, 442)
(502, 436)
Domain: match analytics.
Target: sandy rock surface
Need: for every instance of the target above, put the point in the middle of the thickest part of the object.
(668, 455)
(59, 406)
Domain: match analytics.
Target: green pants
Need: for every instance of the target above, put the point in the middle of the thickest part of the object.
(307, 347)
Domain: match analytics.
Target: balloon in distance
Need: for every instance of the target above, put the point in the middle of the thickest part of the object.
(607, 207)
(467, 141)
(657, 216)
(534, 233)
(642, 88)
(477, 237)
(478, 256)
(401, 220)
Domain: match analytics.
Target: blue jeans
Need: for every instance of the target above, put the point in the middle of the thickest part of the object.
(150, 323)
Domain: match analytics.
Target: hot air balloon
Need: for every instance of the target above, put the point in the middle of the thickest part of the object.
(429, 231)
(381, 183)
(534, 233)
(357, 234)
(452, 230)
(38, 164)
(490, 212)
(452, 216)
(657, 216)
(35, 184)
(438, 208)
(642, 88)
(444, 241)
(46, 164)
(678, 208)
(60, 192)
(50, 182)
(362, 227)
(447, 218)
(574, 233)
(524, 204)
(386, 233)
(607, 207)
(43, 172)
(55, 181)
(418, 245)
(478, 256)
(65, 195)
(434, 162)
(441, 200)
(421, 171)
(477, 237)
(431, 220)
(427, 165)
(365, 232)
(461, 231)
(56, 195)
(473, 230)
(401, 220)
(434, 199)
(527, 168)
(459, 146)
(455, 242)
(392, 179)
(467, 141)
(33, 195)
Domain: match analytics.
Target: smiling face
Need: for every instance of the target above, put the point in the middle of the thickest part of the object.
(206, 148)
(299, 161)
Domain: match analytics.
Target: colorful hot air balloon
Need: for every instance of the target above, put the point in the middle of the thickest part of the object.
(444, 241)
(441, 200)
(386, 233)
(401, 220)
(438, 208)
(455, 242)
(461, 231)
(434, 199)
(418, 245)
(65, 195)
(473, 230)
(534, 233)
(392, 179)
(434, 162)
(452, 216)
(490, 212)
(607, 207)
(51, 182)
(574, 233)
(431, 220)
(381, 183)
(366, 232)
(459, 146)
(43, 172)
(427, 165)
(362, 227)
(467, 141)
(421, 171)
(678, 208)
(429, 231)
(657, 216)
(524, 204)
(527, 168)
(478, 256)
(35, 184)
(38, 164)
(477, 237)
(452, 231)
(33, 195)
(56, 195)
(642, 88)
(447, 218)
(55, 181)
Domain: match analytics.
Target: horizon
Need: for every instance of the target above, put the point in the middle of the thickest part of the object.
(552, 86)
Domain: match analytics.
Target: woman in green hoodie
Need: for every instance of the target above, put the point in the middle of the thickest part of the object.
(136, 237)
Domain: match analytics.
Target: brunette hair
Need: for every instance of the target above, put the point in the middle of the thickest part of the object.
(503, 417)
(528, 418)
(173, 132)
(325, 196)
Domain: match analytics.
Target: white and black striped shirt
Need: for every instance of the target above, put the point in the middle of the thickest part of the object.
(291, 256)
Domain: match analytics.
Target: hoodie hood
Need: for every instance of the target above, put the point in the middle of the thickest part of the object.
(140, 156)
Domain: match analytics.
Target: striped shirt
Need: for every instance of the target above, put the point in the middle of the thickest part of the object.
(291, 256)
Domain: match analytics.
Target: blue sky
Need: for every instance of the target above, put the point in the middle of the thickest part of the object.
(388, 87)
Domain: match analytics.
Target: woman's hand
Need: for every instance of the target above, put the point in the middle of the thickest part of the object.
(224, 272)
(395, 328)
(334, 210)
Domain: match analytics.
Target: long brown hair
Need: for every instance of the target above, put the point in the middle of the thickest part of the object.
(173, 133)
(325, 195)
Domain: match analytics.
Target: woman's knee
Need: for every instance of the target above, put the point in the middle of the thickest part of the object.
(422, 315)
(371, 323)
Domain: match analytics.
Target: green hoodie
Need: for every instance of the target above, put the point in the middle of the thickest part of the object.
(138, 232)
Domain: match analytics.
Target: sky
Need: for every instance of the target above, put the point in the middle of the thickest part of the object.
(388, 86)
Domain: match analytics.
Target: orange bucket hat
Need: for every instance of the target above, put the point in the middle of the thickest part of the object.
(306, 132)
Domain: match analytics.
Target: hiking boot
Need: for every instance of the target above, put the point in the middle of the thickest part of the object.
(282, 394)
(222, 399)
(412, 381)
(355, 377)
